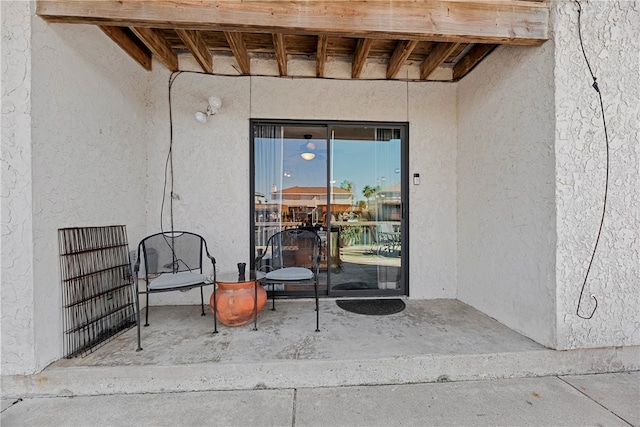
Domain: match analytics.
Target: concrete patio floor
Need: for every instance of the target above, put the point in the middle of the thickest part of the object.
(430, 341)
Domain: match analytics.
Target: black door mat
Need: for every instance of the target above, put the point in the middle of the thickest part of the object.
(372, 307)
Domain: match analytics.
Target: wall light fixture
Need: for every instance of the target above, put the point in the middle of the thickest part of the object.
(214, 104)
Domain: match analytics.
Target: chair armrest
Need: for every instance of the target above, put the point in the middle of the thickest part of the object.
(213, 265)
(259, 258)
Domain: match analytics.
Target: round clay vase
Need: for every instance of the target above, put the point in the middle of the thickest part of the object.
(235, 302)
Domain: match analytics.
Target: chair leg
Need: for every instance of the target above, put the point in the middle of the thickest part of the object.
(317, 308)
(255, 305)
(273, 297)
(138, 318)
(202, 301)
(215, 311)
(146, 312)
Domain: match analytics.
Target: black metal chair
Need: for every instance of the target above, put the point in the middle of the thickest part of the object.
(173, 261)
(291, 257)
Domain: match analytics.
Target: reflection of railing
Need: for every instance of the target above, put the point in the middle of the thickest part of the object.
(351, 233)
(264, 230)
(369, 236)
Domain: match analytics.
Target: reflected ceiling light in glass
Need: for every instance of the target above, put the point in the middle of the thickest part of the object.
(310, 146)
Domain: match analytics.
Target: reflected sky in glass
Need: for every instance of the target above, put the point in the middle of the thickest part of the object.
(363, 163)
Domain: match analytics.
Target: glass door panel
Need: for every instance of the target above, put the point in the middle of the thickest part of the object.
(366, 210)
(290, 187)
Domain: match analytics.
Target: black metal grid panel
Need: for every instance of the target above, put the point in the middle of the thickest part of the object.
(97, 286)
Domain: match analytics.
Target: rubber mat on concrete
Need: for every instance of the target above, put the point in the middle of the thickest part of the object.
(373, 307)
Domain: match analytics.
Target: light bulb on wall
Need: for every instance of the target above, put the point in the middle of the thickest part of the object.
(214, 104)
(201, 117)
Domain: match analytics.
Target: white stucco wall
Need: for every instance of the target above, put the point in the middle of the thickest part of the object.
(87, 167)
(17, 314)
(211, 167)
(611, 34)
(506, 212)
(211, 160)
(433, 145)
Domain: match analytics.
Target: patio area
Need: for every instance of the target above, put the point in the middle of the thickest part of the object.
(431, 340)
(178, 335)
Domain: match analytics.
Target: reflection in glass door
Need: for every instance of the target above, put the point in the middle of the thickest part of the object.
(290, 188)
(361, 222)
(366, 209)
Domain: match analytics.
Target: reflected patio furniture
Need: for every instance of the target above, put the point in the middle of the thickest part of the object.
(173, 261)
(293, 258)
(387, 238)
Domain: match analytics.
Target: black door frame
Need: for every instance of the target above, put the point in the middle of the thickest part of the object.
(329, 124)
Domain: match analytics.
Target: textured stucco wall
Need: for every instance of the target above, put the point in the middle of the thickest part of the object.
(17, 320)
(87, 132)
(211, 167)
(611, 34)
(432, 204)
(506, 213)
(211, 160)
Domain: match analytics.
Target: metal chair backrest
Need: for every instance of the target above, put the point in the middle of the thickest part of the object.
(172, 252)
(295, 248)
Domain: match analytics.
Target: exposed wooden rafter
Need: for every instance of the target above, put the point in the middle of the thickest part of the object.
(198, 48)
(158, 45)
(321, 55)
(400, 54)
(236, 42)
(359, 58)
(437, 56)
(140, 54)
(471, 59)
(281, 53)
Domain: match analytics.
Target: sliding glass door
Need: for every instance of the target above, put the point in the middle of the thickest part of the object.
(366, 163)
(346, 182)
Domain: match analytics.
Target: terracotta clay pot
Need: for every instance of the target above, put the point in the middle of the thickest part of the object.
(235, 302)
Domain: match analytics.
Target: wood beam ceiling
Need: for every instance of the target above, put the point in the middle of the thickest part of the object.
(489, 21)
(448, 34)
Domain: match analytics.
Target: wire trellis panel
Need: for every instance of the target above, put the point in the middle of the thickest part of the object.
(97, 286)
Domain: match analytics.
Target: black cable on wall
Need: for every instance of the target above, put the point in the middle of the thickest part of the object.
(595, 86)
